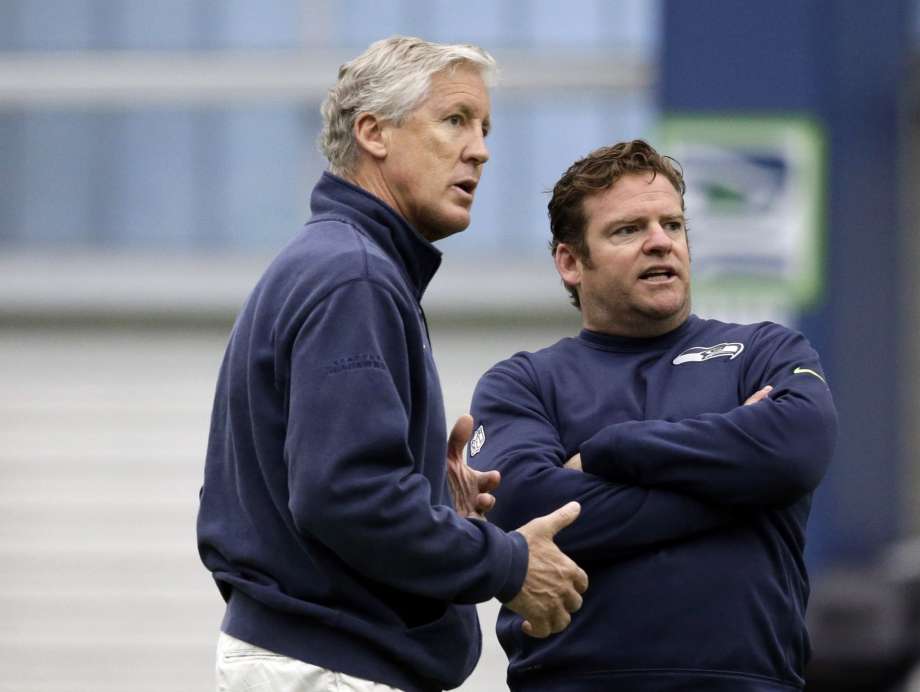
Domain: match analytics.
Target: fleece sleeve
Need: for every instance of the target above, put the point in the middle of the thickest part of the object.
(354, 483)
(770, 453)
(515, 435)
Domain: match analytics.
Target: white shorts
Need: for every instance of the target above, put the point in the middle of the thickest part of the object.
(243, 667)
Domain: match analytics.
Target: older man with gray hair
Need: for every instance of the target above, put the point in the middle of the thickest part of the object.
(349, 552)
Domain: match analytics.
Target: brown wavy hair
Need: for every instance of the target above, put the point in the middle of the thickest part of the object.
(593, 174)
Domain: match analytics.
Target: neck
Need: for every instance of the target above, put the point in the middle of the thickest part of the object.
(643, 327)
(371, 179)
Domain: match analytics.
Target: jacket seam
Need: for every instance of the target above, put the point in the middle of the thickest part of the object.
(366, 274)
(363, 239)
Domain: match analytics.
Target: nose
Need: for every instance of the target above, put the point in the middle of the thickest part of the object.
(657, 242)
(476, 149)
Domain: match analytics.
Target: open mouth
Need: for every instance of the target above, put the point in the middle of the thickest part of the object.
(658, 274)
(466, 186)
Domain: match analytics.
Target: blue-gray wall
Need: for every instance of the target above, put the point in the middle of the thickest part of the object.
(844, 63)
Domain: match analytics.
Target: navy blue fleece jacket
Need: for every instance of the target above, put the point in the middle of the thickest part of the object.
(693, 506)
(325, 514)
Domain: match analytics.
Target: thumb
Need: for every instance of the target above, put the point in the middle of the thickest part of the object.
(459, 436)
(556, 521)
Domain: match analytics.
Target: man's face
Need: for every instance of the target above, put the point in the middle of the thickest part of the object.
(435, 158)
(636, 280)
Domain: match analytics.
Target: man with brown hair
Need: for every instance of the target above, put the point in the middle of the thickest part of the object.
(692, 445)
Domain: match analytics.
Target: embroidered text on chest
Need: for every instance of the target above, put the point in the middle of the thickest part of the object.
(697, 354)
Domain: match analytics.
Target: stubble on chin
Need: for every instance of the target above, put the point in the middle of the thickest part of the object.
(678, 310)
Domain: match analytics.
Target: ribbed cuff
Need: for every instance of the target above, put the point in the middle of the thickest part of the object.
(517, 570)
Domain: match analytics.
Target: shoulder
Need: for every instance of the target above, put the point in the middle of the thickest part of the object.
(325, 256)
(329, 251)
(328, 256)
(750, 334)
(764, 347)
(529, 369)
(534, 363)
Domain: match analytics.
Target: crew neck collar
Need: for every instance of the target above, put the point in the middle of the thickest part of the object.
(633, 344)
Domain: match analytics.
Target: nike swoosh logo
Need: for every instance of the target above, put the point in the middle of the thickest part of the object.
(806, 371)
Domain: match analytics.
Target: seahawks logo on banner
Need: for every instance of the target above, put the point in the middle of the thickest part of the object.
(698, 354)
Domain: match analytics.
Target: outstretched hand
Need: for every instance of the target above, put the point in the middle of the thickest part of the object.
(471, 489)
(554, 583)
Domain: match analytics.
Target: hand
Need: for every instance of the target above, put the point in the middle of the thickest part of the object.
(574, 463)
(553, 586)
(759, 395)
(470, 489)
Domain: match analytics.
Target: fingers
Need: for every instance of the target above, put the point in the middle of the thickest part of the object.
(580, 581)
(487, 481)
(547, 606)
(542, 628)
(554, 523)
(574, 463)
(554, 583)
(459, 435)
(759, 395)
(572, 601)
(578, 578)
(484, 502)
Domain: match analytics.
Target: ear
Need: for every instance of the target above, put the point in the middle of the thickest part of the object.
(568, 265)
(370, 134)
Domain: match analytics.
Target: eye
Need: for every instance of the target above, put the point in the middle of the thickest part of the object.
(456, 119)
(674, 226)
(625, 230)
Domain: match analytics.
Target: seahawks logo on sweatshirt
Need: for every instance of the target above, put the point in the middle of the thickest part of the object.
(698, 354)
(477, 441)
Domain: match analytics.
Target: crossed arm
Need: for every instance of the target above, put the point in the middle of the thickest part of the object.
(769, 454)
(648, 482)
(524, 445)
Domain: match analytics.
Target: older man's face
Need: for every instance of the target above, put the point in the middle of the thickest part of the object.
(435, 158)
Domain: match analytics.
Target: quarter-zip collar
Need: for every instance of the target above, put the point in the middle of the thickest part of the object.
(336, 197)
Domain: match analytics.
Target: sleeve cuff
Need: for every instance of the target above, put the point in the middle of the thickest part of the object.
(598, 452)
(591, 455)
(517, 570)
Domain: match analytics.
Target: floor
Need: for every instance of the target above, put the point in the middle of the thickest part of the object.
(102, 437)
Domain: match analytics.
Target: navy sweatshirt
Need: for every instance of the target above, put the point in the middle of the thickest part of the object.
(325, 514)
(693, 506)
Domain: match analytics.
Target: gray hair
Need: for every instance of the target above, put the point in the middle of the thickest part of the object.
(390, 79)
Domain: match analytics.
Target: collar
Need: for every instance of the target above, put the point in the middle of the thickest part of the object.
(337, 197)
(633, 344)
